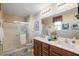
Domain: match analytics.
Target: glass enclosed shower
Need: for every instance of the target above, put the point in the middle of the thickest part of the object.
(12, 35)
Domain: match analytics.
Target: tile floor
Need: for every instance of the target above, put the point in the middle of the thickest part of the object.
(23, 51)
(20, 53)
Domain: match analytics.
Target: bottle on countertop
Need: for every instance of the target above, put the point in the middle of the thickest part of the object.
(49, 38)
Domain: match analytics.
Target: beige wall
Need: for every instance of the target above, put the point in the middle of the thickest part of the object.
(70, 19)
(1, 15)
(9, 18)
(67, 18)
(46, 23)
(31, 30)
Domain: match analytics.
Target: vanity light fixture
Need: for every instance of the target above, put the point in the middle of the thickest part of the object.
(45, 11)
(19, 22)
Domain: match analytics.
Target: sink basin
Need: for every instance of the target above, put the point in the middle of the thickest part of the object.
(66, 45)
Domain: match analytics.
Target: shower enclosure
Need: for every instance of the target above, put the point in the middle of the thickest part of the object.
(11, 35)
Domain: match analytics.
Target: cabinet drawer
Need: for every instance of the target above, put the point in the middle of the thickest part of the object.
(44, 53)
(45, 46)
(45, 49)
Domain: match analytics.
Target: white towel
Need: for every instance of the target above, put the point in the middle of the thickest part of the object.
(23, 39)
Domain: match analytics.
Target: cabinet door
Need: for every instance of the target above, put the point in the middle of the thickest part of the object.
(11, 37)
(39, 51)
(35, 47)
(45, 49)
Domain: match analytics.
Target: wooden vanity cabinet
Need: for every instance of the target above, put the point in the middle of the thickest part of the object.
(37, 48)
(44, 49)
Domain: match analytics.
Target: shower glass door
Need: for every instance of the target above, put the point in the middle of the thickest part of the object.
(11, 37)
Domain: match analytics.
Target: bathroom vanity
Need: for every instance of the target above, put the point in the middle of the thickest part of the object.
(42, 47)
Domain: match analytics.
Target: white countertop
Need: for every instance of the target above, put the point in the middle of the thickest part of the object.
(73, 48)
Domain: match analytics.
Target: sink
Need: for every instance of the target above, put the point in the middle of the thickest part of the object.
(68, 45)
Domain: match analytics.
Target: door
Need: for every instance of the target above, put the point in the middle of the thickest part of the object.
(11, 37)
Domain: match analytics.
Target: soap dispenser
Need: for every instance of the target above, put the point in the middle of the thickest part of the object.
(49, 38)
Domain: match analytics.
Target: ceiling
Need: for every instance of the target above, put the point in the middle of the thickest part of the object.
(24, 9)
